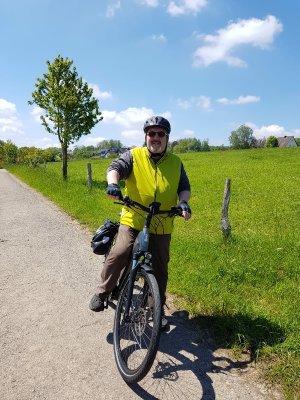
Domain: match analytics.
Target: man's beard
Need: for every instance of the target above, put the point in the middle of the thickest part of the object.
(160, 154)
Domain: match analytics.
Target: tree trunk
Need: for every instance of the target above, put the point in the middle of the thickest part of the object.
(65, 162)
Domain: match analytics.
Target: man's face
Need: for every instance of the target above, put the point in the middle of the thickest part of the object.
(156, 139)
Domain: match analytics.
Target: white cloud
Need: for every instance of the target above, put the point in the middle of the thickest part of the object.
(108, 116)
(178, 7)
(150, 3)
(36, 113)
(10, 124)
(188, 133)
(131, 133)
(134, 136)
(91, 141)
(98, 93)
(256, 32)
(296, 132)
(131, 117)
(160, 37)
(7, 107)
(269, 130)
(46, 142)
(198, 36)
(181, 7)
(112, 8)
(131, 122)
(202, 102)
(240, 100)
(185, 104)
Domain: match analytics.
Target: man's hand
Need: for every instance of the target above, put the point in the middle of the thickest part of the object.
(186, 211)
(113, 190)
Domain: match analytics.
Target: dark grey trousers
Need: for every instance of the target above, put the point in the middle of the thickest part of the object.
(119, 257)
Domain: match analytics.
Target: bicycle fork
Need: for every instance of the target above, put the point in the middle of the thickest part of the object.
(132, 276)
(143, 247)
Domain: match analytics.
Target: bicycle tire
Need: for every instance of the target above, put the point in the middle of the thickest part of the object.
(136, 342)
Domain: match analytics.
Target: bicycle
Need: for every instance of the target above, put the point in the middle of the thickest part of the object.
(137, 322)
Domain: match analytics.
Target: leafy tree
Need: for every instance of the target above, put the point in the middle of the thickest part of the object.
(2, 154)
(171, 145)
(34, 156)
(109, 144)
(52, 154)
(70, 108)
(219, 148)
(10, 152)
(272, 141)
(29, 155)
(297, 141)
(205, 145)
(259, 143)
(84, 152)
(195, 145)
(187, 145)
(242, 138)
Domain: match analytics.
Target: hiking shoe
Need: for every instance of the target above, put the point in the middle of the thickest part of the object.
(164, 321)
(97, 303)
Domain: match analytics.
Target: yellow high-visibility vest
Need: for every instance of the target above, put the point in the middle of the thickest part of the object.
(150, 182)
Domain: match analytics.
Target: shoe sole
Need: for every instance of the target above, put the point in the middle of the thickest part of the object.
(97, 309)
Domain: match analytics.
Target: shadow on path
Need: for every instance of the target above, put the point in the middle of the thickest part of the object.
(187, 359)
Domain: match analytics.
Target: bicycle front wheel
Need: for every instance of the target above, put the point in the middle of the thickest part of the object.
(136, 338)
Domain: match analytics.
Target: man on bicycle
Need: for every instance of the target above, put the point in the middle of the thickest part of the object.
(151, 173)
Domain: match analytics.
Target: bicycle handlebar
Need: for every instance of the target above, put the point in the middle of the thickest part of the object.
(153, 207)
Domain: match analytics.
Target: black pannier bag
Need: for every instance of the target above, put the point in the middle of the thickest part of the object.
(104, 237)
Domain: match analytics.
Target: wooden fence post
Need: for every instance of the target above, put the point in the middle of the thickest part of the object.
(225, 225)
(89, 171)
(45, 165)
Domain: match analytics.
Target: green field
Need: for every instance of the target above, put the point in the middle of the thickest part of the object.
(246, 290)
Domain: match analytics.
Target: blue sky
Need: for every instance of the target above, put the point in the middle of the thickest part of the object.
(207, 65)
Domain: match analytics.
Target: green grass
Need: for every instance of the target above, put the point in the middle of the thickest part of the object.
(245, 290)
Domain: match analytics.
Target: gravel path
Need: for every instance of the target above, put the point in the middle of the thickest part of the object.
(54, 348)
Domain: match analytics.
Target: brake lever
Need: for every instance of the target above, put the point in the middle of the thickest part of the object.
(124, 201)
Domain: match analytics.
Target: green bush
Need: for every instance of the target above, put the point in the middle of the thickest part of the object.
(272, 141)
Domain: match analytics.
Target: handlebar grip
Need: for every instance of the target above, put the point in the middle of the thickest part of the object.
(175, 211)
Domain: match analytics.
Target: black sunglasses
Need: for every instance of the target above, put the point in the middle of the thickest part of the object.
(160, 134)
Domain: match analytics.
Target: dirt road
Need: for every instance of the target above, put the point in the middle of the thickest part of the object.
(54, 348)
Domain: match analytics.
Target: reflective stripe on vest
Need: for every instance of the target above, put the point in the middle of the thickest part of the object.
(150, 182)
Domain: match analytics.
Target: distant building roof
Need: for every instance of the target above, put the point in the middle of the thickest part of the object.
(286, 141)
(118, 151)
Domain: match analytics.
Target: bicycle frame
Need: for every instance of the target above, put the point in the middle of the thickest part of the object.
(141, 256)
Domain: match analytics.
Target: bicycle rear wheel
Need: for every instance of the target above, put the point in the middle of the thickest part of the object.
(136, 340)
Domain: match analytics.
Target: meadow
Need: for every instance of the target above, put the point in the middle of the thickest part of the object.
(246, 289)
